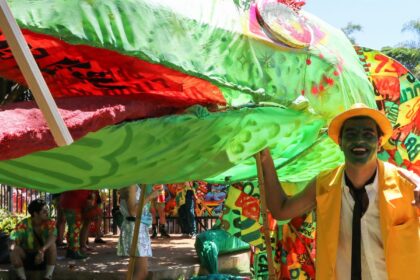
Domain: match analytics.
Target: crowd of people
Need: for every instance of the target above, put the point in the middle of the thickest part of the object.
(36, 238)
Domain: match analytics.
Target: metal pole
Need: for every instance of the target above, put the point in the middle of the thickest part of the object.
(9, 198)
(33, 77)
(267, 238)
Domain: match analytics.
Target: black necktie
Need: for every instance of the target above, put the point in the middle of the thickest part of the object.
(361, 203)
(356, 265)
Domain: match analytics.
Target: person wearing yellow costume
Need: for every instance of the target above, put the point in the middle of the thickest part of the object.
(367, 210)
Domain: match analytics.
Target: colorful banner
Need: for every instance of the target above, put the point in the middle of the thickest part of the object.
(398, 96)
(209, 198)
(242, 217)
(295, 253)
(260, 265)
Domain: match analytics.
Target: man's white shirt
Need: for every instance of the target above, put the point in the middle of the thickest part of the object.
(372, 250)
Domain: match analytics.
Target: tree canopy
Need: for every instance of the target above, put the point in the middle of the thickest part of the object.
(408, 53)
(350, 29)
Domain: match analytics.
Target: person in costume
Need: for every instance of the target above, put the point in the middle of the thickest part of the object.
(79, 207)
(91, 212)
(185, 199)
(157, 209)
(129, 201)
(33, 242)
(98, 220)
(366, 209)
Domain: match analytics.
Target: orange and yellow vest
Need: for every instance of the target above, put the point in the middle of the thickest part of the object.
(400, 226)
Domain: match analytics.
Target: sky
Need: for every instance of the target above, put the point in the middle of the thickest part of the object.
(381, 20)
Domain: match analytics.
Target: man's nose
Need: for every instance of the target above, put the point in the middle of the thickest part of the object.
(358, 137)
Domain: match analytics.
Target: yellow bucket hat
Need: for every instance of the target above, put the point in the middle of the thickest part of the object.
(360, 110)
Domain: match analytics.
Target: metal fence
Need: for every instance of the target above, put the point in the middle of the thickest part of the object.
(5, 197)
(16, 200)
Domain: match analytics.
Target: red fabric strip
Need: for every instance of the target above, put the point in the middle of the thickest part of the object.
(80, 70)
(23, 129)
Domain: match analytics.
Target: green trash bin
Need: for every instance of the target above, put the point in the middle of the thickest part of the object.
(212, 243)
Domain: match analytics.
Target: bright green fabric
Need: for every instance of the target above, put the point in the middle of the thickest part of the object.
(174, 149)
(207, 39)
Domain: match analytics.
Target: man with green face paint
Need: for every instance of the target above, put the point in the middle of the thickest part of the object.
(367, 210)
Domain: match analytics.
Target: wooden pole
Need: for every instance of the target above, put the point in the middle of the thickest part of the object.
(134, 242)
(263, 207)
(33, 77)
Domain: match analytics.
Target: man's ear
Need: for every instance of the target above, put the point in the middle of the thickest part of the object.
(379, 143)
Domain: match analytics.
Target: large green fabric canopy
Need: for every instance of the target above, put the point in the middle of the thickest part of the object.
(196, 145)
(219, 41)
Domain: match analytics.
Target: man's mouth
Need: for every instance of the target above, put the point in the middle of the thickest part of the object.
(359, 151)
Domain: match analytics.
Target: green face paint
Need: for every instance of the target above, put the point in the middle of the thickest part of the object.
(359, 140)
